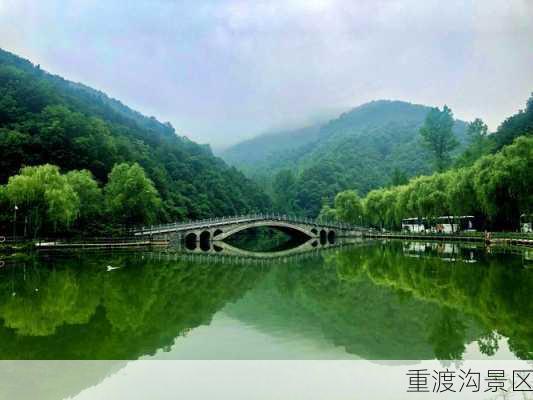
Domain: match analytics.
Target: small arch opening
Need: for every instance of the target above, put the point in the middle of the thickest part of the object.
(217, 232)
(323, 237)
(331, 237)
(314, 231)
(205, 240)
(190, 241)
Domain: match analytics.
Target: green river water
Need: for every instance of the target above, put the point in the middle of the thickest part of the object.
(373, 301)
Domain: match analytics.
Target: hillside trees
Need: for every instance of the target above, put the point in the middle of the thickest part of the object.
(49, 202)
(131, 196)
(516, 125)
(497, 188)
(374, 145)
(438, 137)
(348, 207)
(44, 197)
(283, 190)
(479, 143)
(89, 195)
(503, 182)
(45, 119)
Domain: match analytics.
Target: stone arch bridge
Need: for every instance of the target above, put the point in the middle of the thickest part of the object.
(222, 228)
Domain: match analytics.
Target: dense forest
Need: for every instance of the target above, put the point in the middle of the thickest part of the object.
(45, 119)
(75, 161)
(371, 146)
(491, 180)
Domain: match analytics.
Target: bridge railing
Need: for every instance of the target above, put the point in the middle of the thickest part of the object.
(244, 218)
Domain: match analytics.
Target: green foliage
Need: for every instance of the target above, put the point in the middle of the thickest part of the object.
(362, 149)
(327, 213)
(50, 202)
(438, 137)
(131, 196)
(89, 194)
(517, 125)
(479, 143)
(283, 186)
(348, 207)
(503, 182)
(45, 119)
(398, 177)
(497, 187)
(44, 196)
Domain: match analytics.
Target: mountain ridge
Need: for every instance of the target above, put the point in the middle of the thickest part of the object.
(45, 118)
(360, 149)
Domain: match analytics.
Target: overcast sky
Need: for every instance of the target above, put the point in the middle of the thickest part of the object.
(224, 70)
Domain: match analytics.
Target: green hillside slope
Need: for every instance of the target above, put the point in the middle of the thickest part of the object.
(47, 119)
(362, 149)
(267, 147)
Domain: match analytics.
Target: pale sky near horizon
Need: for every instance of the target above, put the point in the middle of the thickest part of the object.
(225, 70)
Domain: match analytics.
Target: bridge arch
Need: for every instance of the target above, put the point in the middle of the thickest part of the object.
(287, 227)
(331, 237)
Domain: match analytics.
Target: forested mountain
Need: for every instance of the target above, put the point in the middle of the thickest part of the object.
(491, 180)
(267, 147)
(365, 148)
(519, 124)
(47, 119)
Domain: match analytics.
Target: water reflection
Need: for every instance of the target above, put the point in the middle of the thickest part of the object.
(260, 240)
(372, 300)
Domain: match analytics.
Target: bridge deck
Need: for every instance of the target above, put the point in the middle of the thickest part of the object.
(224, 221)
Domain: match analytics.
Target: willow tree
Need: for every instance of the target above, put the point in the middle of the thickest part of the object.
(89, 194)
(374, 209)
(327, 213)
(130, 195)
(461, 194)
(348, 207)
(43, 196)
(503, 183)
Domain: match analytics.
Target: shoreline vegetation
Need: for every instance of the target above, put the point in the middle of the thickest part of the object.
(79, 164)
(517, 240)
(496, 187)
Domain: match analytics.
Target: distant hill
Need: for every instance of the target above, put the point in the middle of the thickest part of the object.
(519, 124)
(268, 146)
(361, 149)
(47, 119)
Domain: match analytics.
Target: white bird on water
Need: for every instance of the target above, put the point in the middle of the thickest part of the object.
(110, 268)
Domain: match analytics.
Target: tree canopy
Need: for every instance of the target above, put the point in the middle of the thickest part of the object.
(438, 137)
(371, 146)
(497, 188)
(131, 196)
(45, 119)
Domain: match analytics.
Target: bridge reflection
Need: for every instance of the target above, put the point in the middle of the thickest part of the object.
(219, 248)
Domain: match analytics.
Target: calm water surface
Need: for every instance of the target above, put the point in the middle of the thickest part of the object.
(375, 301)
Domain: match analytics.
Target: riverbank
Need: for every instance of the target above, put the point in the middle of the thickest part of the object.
(496, 238)
(11, 247)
